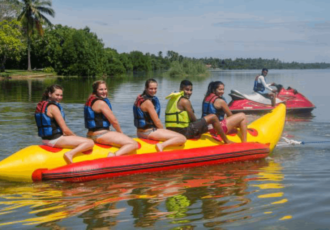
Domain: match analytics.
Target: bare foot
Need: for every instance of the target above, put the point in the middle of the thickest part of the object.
(229, 142)
(159, 147)
(68, 158)
(111, 154)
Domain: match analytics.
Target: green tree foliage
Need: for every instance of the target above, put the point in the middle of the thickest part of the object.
(140, 61)
(8, 10)
(33, 18)
(114, 65)
(83, 54)
(71, 52)
(126, 61)
(48, 50)
(11, 44)
(173, 56)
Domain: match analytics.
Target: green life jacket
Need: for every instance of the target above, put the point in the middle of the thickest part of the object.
(174, 117)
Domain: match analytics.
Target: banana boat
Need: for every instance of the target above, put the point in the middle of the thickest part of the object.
(44, 163)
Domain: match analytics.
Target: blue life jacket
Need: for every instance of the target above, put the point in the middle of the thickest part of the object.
(208, 106)
(47, 127)
(142, 120)
(95, 121)
(258, 87)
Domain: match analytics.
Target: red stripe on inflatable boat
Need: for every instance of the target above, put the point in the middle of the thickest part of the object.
(253, 132)
(103, 146)
(50, 149)
(88, 152)
(124, 165)
(152, 142)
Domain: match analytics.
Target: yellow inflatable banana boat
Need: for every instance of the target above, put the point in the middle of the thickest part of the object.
(41, 163)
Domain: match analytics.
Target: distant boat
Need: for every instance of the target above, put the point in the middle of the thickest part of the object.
(255, 102)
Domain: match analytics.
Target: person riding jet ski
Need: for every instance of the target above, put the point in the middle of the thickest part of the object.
(261, 87)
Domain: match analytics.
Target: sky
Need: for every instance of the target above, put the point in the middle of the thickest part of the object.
(288, 30)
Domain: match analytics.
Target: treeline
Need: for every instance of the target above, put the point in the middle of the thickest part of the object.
(259, 63)
(68, 51)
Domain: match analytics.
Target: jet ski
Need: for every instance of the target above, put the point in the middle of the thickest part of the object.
(255, 102)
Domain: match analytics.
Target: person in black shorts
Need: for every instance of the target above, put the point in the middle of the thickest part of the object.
(180, 116)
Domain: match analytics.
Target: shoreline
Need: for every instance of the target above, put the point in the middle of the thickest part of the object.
(26, 77)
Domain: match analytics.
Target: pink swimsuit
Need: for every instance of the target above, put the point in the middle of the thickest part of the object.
(224, 126)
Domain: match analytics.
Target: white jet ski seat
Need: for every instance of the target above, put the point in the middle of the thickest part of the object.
(256, 97)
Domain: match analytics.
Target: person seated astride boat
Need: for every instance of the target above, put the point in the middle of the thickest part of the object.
(180, 117)
(260, 87)
(215, 103)
(146, 111)
(98, 119)
(49, 116)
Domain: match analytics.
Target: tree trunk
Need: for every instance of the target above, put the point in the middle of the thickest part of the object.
(2, 67)
(29, 60)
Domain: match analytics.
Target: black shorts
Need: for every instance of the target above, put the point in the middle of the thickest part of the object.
(194, 130)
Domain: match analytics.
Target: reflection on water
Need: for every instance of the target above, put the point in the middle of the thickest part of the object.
(222, 195)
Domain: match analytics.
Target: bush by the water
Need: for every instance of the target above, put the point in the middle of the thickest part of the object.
(187, 68)
(5, 75)
(49, 70)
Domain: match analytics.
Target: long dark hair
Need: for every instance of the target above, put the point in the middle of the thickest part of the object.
(212, 87)
(50, 89)
(96, 85)
(146, 85)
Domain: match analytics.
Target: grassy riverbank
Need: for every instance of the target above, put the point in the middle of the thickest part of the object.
(24, 74)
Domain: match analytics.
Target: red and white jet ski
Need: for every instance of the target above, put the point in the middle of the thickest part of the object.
(255, 102)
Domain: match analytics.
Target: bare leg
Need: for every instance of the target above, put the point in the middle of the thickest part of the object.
(238, 120)
(159, 147)
(273, 99)
(125, 143)
(77, 144)
(212, 119)
(169, 138)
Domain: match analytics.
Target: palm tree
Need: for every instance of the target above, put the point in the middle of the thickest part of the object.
(33, 18)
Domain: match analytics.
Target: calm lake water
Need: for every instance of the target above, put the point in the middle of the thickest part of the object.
(288, 190)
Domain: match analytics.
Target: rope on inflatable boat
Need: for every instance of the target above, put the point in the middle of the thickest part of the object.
(294, 142)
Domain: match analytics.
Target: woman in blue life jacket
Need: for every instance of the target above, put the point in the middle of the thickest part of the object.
(215, 103)
(261, 87)
(98, 119)
(146, 111)
(52, 128)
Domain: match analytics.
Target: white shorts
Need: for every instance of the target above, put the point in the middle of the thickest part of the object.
(51, 143)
